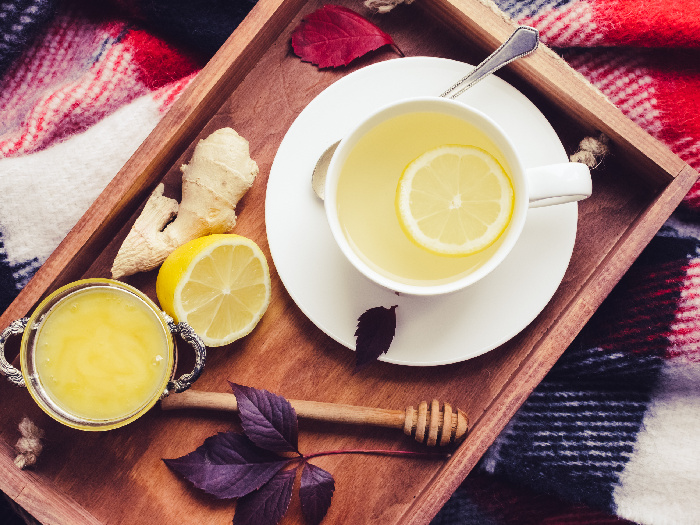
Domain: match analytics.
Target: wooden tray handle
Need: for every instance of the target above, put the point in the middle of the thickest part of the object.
(426, 423)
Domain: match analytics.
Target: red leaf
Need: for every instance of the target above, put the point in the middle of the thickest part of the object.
(334, 36)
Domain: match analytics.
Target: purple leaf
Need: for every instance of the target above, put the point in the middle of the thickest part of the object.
(269, 503)
(268, 419)
(228, 465)
(375, 331)
(315, 493)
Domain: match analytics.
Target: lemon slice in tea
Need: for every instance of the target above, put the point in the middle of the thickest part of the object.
(218, 284)
(454, 200)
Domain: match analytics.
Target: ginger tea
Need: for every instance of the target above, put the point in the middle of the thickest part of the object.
(366, 196)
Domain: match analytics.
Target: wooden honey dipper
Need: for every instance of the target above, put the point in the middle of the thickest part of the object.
(426, 423)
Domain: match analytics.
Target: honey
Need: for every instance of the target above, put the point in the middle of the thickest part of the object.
(102, 354)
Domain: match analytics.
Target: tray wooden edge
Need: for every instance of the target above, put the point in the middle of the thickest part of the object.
(543, 356)
(38, 496)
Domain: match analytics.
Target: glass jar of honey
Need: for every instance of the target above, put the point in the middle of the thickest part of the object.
(97, 354)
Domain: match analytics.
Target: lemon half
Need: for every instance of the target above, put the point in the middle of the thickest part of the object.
(218, 284)
(454, 200)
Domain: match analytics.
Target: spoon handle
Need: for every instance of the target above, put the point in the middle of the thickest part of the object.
(523, 41)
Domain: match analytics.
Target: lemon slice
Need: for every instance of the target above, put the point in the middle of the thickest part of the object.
(454, 200)
(218, 284)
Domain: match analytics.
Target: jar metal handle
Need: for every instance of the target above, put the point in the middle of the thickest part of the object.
(200, 351)
(17, 327)
(14, 375)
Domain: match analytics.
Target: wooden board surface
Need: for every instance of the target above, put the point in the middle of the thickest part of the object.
(257, 86)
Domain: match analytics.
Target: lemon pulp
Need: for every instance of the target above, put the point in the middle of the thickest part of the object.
(218, 284)
(454, 200)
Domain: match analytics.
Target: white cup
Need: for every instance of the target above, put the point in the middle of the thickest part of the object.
(535, 187)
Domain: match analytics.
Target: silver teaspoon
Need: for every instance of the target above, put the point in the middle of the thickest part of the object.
(523, 41)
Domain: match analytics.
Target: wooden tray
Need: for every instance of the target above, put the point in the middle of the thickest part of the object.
(256, 85)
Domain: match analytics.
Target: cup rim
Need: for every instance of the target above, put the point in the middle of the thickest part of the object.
(39, 394)
(427, 103)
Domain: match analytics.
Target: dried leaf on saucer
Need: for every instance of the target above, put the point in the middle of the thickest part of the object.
(375, 332)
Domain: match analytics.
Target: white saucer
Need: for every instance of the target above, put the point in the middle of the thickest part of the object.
(430, 330)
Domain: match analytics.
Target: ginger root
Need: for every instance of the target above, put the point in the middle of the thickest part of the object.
(218, 175)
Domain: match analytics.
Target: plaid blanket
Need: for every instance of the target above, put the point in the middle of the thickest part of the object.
(610, 434)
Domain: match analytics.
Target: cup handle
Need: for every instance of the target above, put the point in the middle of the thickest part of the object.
(558, 183)
(13, 375)
(200, 352)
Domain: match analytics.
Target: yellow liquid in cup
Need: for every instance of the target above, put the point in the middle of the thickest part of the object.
(367, 190)
(101, 354)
